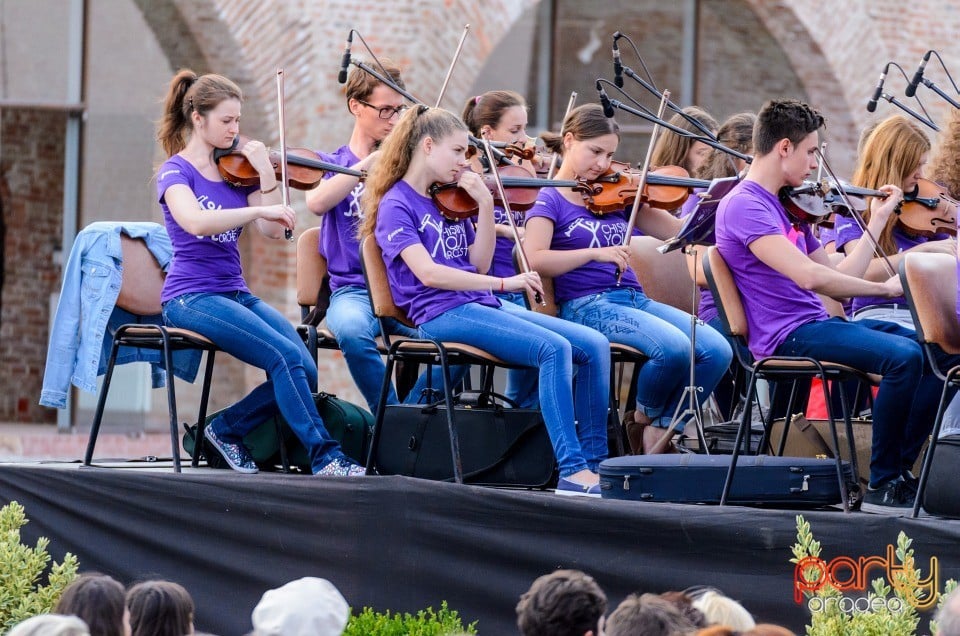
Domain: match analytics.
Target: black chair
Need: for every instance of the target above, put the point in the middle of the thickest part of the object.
(414, 352)
(140, 290)
(776, 368)
(930, 285)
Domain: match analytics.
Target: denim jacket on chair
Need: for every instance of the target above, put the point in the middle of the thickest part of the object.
(87, 316)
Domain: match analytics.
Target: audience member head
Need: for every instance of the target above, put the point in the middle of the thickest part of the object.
(650, 615)
(50, 625)
(684, 603)
(562, 603)
(722, 610)
(100, 601)
(948, 616)
(160, 608)
(306, 607)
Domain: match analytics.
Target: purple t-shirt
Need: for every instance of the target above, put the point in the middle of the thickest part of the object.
(706, 308)
(848, 230)
(502, 265)
(407, 218)
(773, 303)
(201, 263)
(575, 227)
(338, 229)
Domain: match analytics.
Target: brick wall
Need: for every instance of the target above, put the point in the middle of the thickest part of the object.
(31, 194)
(784, 47)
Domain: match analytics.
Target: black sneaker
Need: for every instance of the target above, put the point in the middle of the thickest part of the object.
(893, 497)
(910, 482)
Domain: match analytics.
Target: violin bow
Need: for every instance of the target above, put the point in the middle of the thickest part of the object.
(284, 184)
(642, 183)
(556, 156)
(453, 62)
(856, 215)
(521, 253)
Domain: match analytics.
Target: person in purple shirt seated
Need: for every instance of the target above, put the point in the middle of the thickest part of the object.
(376, 108)
(780, 268)
(205, 291)
(436, 267)
(595, 286)
(501, 116)
(895, 152)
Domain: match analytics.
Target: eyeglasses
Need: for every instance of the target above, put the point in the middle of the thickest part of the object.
(385, 112)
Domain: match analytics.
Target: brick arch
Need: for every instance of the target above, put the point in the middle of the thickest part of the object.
(838, 71)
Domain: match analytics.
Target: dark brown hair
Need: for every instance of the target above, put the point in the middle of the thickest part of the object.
(159, 608)
(735, 133)
(360, 83)
(187, 93)
(647, 614)
(487, 109)
(784, 119)
(584, 122)
(98, 599)
(562, 603)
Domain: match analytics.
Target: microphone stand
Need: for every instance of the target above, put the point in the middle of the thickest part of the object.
(920, 118)
(680, 131)
(936, 89)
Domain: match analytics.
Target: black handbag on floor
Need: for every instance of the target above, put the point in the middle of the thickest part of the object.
(498, 446)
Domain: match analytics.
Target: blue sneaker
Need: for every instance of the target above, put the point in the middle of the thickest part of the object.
(569, 488)
(235, 455)
(341, 467)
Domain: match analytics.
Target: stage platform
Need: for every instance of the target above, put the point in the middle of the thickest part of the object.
(405, 544)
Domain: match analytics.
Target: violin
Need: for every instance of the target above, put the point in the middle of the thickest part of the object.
(616, 189)
(520, 186)
(304, 170)
(927, 210)
(815, 202)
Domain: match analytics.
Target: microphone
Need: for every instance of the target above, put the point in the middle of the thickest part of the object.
(912, 86)
(605, 101)
(345, 61)
(872, 104)
(617, 66)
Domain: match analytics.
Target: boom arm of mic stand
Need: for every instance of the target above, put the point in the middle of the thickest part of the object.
(629, 72)
(680, 131)
(936, 89)
(920, 118)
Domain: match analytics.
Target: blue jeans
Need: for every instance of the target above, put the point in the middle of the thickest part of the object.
(255, 333)
(521, 383)
(527, 338)
(350, 318)
(909, 393)
(627, 316)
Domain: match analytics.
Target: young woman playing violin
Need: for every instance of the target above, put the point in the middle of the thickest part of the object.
(501, 116)
(584, 253)
(205, 291)
(435, 268)
(895, 152)
(376, 108)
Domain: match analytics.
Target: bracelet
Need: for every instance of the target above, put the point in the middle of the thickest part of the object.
(275, 186)
(501, 285)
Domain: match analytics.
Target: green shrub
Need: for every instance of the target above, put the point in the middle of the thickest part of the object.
(21, 568)
(445, 622)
